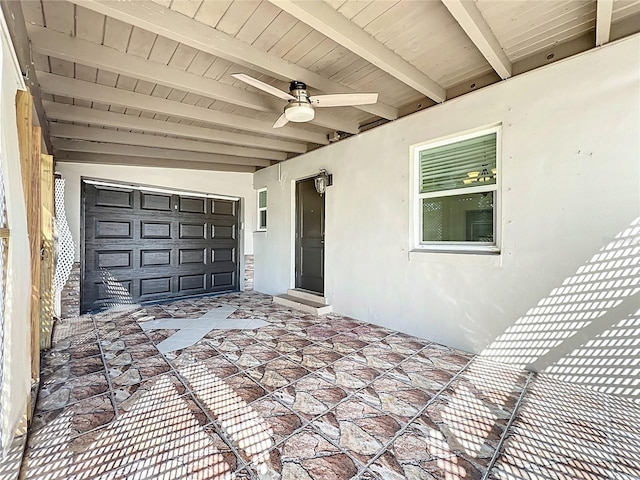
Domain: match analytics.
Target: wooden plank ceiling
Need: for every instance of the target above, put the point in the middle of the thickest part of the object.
(149, 83)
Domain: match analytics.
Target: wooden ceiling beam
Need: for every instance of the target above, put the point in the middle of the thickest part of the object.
(475, 26)
(583, 43)
(322, 17)
(72, 113)
(604, 12)
(90, 134)
(163, 21)
(105, 159)
(93, 92)
(169, 155)
(137, 140)
(76, 50)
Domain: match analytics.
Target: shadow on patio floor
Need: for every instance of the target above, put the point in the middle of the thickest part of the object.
(307, 398)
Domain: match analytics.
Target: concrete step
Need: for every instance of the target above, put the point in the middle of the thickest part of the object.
(306, 295)
(305, 305)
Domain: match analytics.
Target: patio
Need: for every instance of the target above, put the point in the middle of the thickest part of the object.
(306, 397)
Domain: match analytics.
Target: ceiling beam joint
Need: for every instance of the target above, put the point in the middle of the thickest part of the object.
(475, 26)
(604, 13)
(322, 17)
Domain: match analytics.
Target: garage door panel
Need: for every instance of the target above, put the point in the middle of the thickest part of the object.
(122, 289)
(108, 197)
(139, 247)
(192, 205)
(190, 284)
(193, 231)
(155, 202)
(156, 229)
(152, 286)
(111, 228)
(113, 259)
(222, 281)
(223, 207)
(187, 256)
(223, 232)
(155, 257)
(220, 255)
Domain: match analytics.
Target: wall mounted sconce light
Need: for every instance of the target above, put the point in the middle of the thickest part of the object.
(322, 181)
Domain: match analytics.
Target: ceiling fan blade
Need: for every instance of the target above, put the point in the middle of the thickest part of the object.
(344, 99)
(265, 87)
(281, 121)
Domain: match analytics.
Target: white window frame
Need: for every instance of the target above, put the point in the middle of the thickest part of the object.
(259, 209)
(417, 197)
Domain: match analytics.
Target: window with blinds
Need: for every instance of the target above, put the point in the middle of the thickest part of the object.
(262, 209)
(457, 193)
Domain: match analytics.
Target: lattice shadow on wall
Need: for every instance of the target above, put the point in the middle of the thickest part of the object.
(587, 330)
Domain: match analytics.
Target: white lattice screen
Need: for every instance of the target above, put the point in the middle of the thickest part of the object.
(64, 247)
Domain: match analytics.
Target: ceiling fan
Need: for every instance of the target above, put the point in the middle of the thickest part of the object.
(301, 105)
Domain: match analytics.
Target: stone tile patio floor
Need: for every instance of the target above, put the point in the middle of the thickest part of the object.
(307, 397)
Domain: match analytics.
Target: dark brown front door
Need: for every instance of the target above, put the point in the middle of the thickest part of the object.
(309, 237)
(140, 245)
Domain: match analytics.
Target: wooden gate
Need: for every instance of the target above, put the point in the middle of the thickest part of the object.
(47, 266)
(37, 183)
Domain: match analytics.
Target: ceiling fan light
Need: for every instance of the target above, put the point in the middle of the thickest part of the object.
(297, 112)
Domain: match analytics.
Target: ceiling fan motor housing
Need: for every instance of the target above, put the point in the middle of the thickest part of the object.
(296, 85)
(300, 109)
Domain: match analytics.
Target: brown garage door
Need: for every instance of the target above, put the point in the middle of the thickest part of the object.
(141, 245)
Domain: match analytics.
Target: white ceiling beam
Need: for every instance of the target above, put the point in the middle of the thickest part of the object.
(475, 26)
(322, 17)
(73, 49)
(60, 144)
(93, 92)
(100, 136)
(162, 21)
(125, 138)
(130, 161)
(604, 12)
(76, 50)
(72, 113)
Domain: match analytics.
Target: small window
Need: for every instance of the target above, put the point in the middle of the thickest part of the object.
(262, 209)
(457, 194)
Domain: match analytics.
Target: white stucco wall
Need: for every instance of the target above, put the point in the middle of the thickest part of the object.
(16, 366)
(221, 183)
(570, 181)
